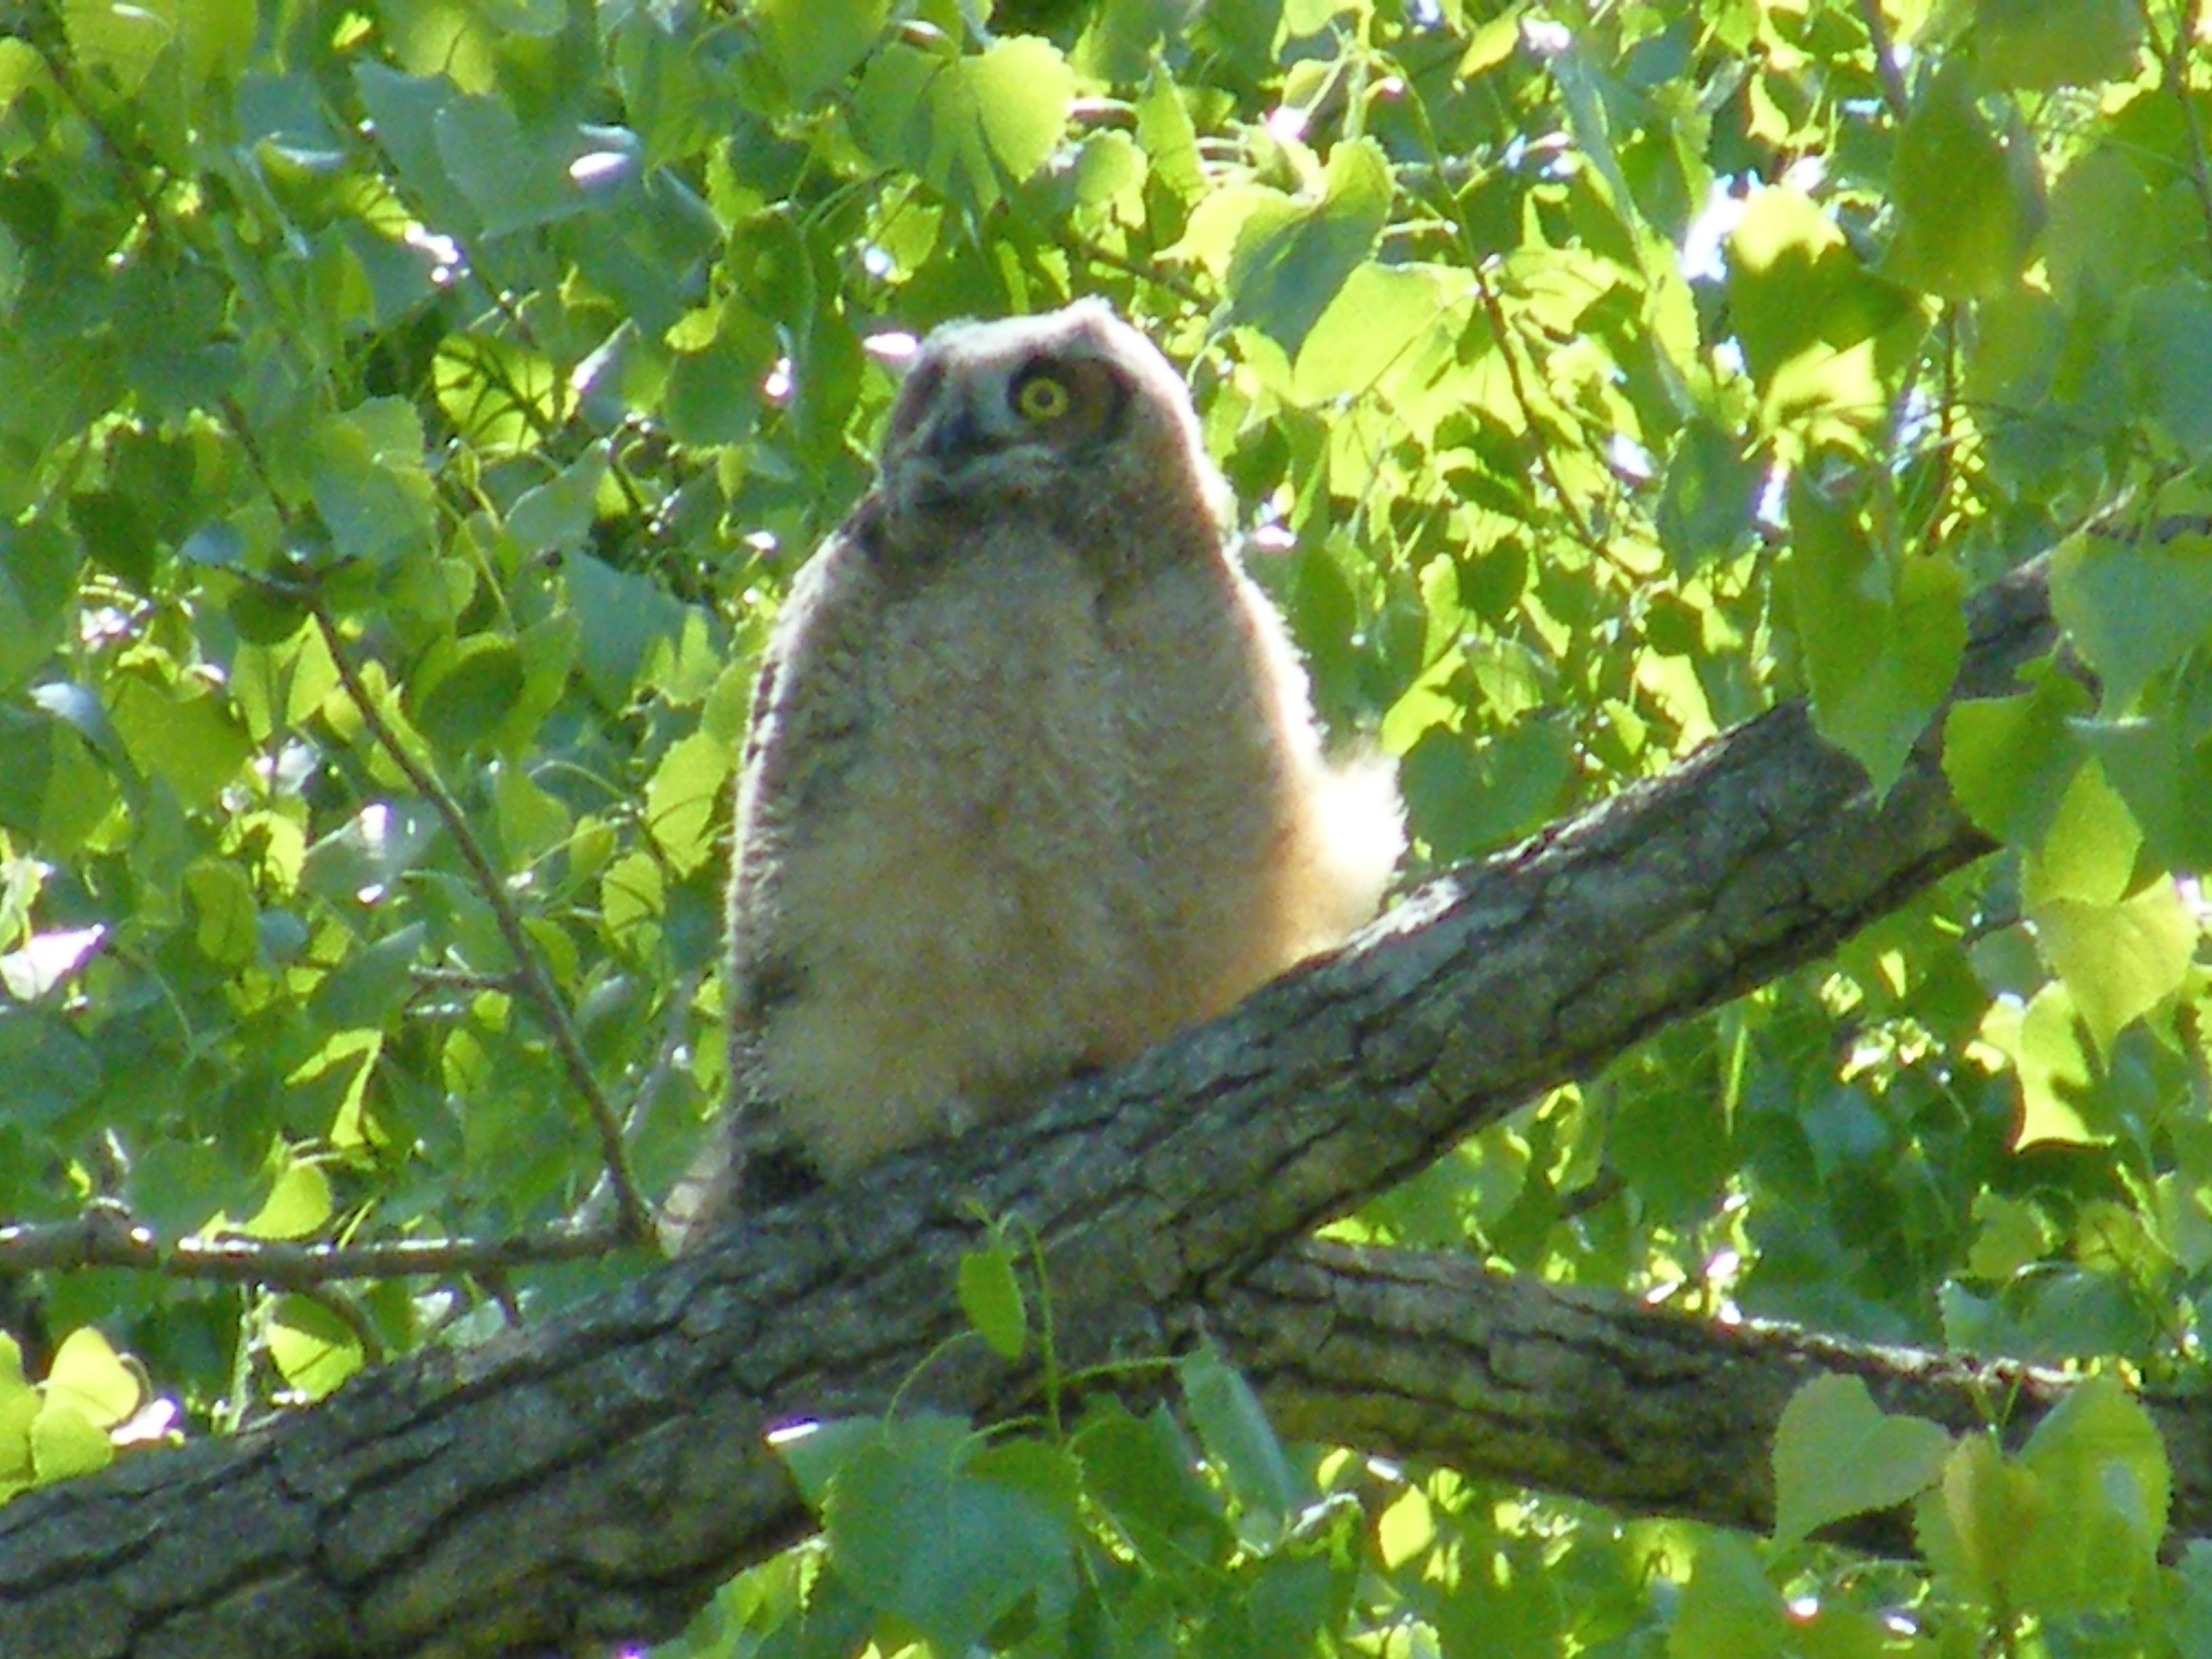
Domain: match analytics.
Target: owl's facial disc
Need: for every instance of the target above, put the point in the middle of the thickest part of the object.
(1069, 416)
(993, 425)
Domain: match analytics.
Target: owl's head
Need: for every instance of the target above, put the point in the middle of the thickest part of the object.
(1073, 417)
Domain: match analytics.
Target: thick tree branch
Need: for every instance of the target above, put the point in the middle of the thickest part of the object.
(596, 1477)
(1413, 1354)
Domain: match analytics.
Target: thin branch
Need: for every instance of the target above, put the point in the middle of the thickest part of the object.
(1145, 271)
(2174, 60)
(1493, 309)
(537, 988)
(105, 1236)
(1577, 521)
(536, 984)
(464, 978)
(1893, 94)
(65, 78)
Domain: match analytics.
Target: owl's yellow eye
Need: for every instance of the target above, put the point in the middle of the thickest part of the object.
(1041, 398)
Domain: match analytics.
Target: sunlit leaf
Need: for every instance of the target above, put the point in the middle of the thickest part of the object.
(1837, 1454)
(314, 1349)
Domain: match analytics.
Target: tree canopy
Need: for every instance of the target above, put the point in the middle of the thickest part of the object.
(1750, 464)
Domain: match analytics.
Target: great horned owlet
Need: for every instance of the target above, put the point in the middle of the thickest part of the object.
(1032, 779)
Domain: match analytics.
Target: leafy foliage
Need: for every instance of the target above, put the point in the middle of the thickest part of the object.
(413, 412)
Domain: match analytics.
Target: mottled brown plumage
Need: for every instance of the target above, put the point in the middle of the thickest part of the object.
(1032, 779)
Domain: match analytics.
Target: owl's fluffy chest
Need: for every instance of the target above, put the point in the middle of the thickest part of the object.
(984, 909)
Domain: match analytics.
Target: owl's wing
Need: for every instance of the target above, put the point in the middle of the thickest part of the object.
(809, 720)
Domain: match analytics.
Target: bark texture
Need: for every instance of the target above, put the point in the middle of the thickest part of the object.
(594, 1479)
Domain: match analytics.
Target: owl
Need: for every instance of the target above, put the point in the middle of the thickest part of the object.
(1032, 778)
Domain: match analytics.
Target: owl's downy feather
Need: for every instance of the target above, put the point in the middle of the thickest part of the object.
(1033, 779)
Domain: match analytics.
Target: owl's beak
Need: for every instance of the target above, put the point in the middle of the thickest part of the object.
(955, 436)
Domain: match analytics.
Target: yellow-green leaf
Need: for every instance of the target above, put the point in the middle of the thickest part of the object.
(2119, 960)
(65, 1443)
(297, 1207)
(90, 1377)
(314, 1349)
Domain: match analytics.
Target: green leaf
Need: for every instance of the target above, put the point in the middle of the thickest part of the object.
(1671, 1145)
(1882, 636)
(2010, 1235)
(2039, 45)
(633, 896)
(370, 486)
(1728, 1610)
(968, 125)
(1837, 1454)
(513, 178)
(314, 1351)
(1139, 1471)
(2133, 608)
(622, 615)
(92, 1378)
(681, 801)
(1973, 1525)
(2010, 759)
(1808, 314)
(227, 921)
(1712, 483)
(2089, 850)
(405, 109)
(2058, 1075)
(2169, 359)
(530, 821)
(1293, 254)
(123, 39)
(928, 1542)
(39, 569)
(464, 688)
(2164, 773)
(1464, 800)
(814, 1452)
(368, 986)
(1969, 204)
(504, 397)
(1384, 321)
(558, 513)
(360, 860)
(991, 1297)
(1236, 1435)
(19, 1406)
(186, 735)
(814, 43)
(216, 36)
(1168, 138)
(65, 1443)
(298, 1205)
(2119, 960)
(2098, 1458)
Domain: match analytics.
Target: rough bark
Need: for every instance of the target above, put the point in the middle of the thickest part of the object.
(594, 1477)
(1420, 1355)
